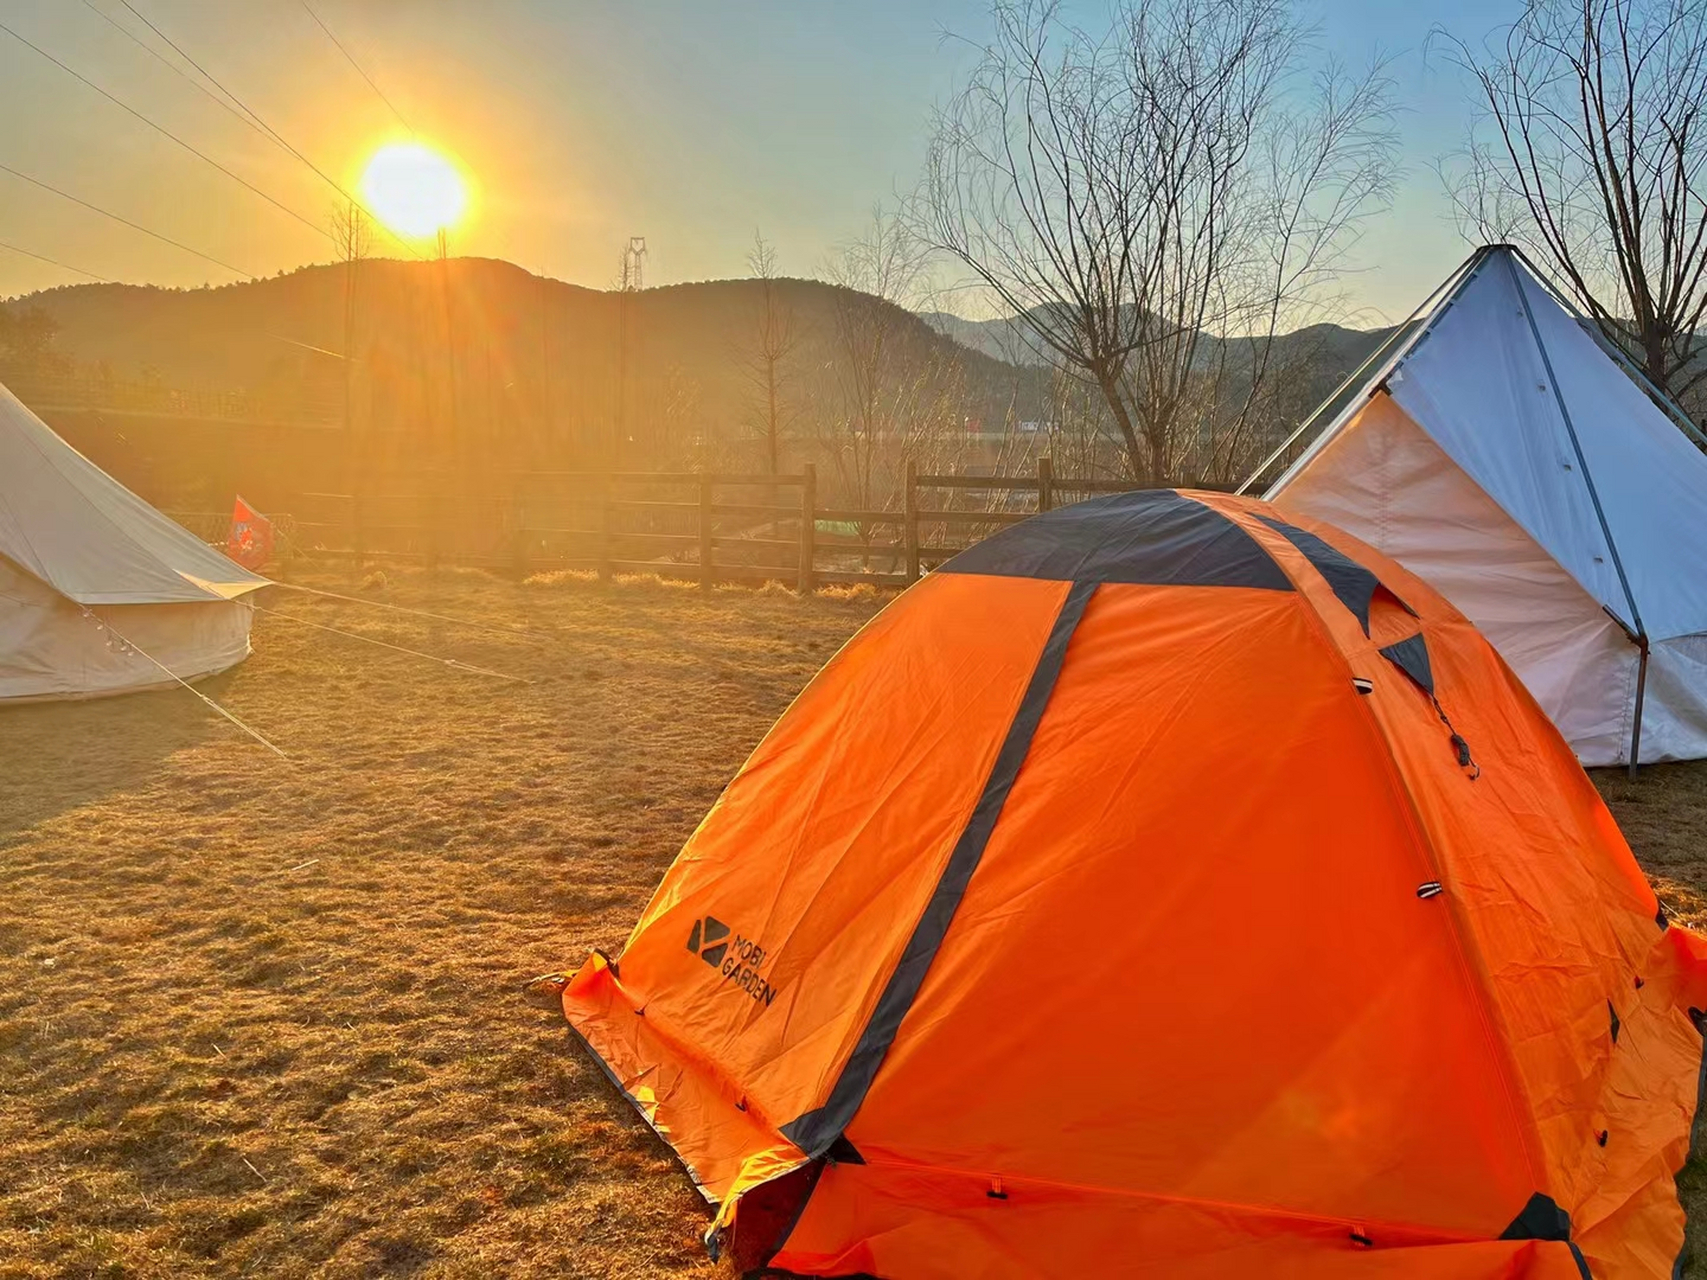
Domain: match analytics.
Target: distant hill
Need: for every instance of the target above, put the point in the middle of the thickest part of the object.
(668, 371)
(549, 375)
(1007, 339)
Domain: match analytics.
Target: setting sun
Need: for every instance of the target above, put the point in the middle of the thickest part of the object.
(413, 189)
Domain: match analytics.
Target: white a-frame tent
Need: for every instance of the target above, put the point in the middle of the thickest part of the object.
(99, 592)
(1498, 447)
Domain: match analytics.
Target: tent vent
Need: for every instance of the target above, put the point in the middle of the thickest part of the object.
(1601, 1137)
(1614, 1014)
(997, 1191)
(1363, 684)
(1357, 1237)
(1430, 889)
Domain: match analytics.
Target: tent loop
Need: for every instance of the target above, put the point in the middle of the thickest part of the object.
(1459, 745)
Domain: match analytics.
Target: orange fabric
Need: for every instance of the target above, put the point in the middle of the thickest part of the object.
(1198, 1012)
(828, 841)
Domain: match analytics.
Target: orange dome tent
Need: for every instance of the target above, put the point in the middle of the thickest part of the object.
(1167, 889)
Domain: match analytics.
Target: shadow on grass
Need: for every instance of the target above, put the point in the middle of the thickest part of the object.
(61, 755)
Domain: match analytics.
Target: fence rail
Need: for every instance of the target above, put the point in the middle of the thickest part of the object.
(634, 522)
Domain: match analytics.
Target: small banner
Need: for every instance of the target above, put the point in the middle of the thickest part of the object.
(250, 542)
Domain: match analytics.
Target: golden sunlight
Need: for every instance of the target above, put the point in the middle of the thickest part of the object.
(413, 189)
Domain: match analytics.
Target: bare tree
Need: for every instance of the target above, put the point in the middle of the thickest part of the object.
(772, 341)
(895, 389)
(352, 239)
(1143, 195)
(1589, 152)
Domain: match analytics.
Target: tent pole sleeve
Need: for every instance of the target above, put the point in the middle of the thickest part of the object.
(1636, 724)
(1577, 450)
(818, 1130)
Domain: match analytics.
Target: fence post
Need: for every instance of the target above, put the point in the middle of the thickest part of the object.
(358, 528)
(808, 526)
(705, 567)
(603, 494)
(1045, 483)
(910, 521)
(519, 547)
(435, 522)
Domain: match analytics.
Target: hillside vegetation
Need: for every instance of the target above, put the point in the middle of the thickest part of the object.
(556, 368)
(557, 375)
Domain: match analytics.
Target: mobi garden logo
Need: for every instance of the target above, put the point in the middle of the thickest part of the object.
(737, 958)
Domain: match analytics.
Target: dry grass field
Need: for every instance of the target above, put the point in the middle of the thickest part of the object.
(262, 1018)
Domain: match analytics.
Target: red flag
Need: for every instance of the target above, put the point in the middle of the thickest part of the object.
(250, 542)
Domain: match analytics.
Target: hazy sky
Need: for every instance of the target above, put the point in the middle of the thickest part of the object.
(691, 122)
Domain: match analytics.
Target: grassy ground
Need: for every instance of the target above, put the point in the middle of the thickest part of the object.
(260, 1018)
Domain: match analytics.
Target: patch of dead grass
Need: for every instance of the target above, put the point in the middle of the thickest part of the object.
(267, 1019)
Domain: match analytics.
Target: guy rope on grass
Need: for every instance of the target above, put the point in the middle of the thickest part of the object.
(419, 613)
(102, 624)
(386, 644)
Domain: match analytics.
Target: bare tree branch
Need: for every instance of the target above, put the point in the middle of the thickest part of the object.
(1155, 201)
(1586, 154)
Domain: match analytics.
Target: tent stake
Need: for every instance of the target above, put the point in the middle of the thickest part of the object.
(1636, 726)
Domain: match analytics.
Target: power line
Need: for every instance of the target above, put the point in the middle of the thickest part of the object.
(55, 262)
(135, 226)
(167, 133)
(162, 59)
(242, 110)
(358, 66)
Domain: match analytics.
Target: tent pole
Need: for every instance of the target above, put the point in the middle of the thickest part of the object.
(1635, 626)
(1636, 726)
(1385, 358)
(1664, 402)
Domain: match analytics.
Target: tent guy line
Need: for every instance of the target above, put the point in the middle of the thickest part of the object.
(102, 624)
(386, 644)
(418, 613)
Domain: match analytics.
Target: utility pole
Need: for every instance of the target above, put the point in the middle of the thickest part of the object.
(633, 273)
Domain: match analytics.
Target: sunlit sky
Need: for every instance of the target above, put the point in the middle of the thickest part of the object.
(579, 122)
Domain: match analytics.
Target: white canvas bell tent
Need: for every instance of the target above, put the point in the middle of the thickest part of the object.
(1497, 446)
(99, 592)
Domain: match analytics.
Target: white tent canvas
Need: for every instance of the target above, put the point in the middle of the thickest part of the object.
(1498, 450)
(99, 592)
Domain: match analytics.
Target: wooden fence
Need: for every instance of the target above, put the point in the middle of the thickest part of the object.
(709, 527)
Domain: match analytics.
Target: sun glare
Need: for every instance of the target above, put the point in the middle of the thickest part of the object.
(413, 189)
